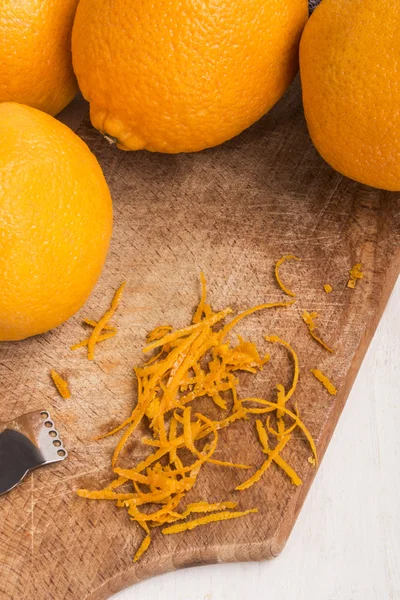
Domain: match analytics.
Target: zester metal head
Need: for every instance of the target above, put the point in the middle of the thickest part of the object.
(27, 442)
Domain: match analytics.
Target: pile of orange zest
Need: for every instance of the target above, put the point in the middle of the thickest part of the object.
(325, 381)
(355, 274)
(61, 385)
(328, 288)
(308, 319)
(222, 516)
(198, 362)
(97, 335)
(277, 277)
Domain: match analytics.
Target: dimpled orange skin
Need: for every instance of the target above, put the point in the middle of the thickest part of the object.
(36, 63)
(350, 73)
(55, 222)
(184, 75)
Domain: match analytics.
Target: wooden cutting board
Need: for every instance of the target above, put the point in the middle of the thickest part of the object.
(232, 212)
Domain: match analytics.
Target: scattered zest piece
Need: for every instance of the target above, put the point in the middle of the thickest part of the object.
(102, 338)
(270, 407)
(61, 385)
(312, 461)
(263, 437)
(282, 396)
(325, 381)
(96, 335)
(277, 277)
(200, 361)
(308, 319)
(222, 516)
(355, 273)
(328, 288)
(142, 548)
(271, 455)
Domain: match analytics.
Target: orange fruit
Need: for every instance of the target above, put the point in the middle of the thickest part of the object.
(55, 222)
(183, 75)
(350, 73)
(36, 65)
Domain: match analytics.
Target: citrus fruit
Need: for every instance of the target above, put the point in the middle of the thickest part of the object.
(36, 65)
(55, 222)
(183, 75)
(350, 73)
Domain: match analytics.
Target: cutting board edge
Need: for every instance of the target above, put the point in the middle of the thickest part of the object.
(163, 565)
(288, 524)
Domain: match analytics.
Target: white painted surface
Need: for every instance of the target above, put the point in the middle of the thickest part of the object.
(346, 543)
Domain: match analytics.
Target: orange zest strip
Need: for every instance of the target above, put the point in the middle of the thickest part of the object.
(116, 483)
(325, 381)
(105, 494)
(272, 406)
(102, 338)
(321, 342)
(93, 323)
(126, 435)
(156, 516)
(224, 463)
(258, 474)
(61, 385)
(187, 430)
(290, 472)
(96, 335)
(280, 433)
(118, 428)
(308, 319)
(222, 516)
(277, 340)
(202, 507)
(158, 333)
(200, 309)
(171, 337)
(355, 274)
(131, 473)
(250, 311)
(142, 548)
(172, 437)
(277, 277)
(154, 358)
(104, 320)
(328, 288)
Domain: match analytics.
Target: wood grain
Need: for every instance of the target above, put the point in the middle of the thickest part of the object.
(230, 211)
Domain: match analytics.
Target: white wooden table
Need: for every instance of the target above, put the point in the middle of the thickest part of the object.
(346, 543)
